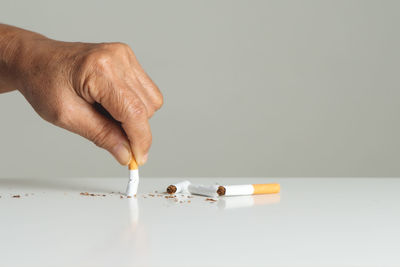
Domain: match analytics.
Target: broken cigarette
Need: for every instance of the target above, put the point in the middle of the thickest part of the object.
(248, 189)
(204, 190)
(233, 190)
(133, 183)
(178, 187)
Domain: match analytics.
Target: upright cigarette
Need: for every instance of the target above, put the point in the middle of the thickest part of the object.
(178, 187)
(248, 189)
(133, 183)
(204, 190)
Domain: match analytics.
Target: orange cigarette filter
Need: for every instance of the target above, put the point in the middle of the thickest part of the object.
(133, 165)
(266, 189)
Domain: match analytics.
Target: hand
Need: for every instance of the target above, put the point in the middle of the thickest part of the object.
(70, 84)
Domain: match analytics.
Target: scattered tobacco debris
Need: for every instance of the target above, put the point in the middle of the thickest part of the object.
(91, 194)
(16, 196)
(210, 199)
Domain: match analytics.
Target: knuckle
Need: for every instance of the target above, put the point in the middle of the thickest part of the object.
(101, 60)
(117, 47)
(150, 112)
(138, 110)
(158, 101)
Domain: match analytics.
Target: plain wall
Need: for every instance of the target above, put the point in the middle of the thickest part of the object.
(252, 88)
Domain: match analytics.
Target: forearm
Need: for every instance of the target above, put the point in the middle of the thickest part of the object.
(15, 46)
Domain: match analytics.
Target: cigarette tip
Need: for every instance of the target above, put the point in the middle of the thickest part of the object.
(171, 189)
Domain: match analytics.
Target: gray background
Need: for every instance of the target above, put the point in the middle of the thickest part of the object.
(252, 88)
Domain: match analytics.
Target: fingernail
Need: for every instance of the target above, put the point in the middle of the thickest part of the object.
(122, 154)
(143, 159)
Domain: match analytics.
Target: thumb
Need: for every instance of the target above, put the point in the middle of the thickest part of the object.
(86, 121)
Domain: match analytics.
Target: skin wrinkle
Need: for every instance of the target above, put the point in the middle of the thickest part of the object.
(63, 81)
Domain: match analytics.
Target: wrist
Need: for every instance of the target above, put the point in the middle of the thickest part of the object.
(17, 50)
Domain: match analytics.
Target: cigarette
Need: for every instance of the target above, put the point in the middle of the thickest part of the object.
(203, 190)
(248, 189)
(133, 182)
(178, 187)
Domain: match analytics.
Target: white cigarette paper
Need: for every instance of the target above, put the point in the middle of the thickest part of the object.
(204, 190)
(239, 190)
(181, 187)
(133, 183)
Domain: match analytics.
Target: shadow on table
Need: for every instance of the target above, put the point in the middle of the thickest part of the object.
(69, 185)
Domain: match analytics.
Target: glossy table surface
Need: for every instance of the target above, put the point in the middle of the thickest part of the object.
(312, 222)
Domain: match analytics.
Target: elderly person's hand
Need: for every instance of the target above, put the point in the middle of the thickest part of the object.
(98, 91)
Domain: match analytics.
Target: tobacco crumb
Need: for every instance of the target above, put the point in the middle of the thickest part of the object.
(181, 201)
(189, 201)
(210, 199)
(16, 196)
(169, 196)
(129, 197)
(171, 189)
(135, 195)
(190, 196)
(151, 195)
(103, 195)
(84, 193)
(221, 191)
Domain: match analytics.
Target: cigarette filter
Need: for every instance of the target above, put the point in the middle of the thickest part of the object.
(178, 187)
(133, 183)
(248, 189)
(204, 190)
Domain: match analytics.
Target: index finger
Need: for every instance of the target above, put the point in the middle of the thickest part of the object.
(126, 107)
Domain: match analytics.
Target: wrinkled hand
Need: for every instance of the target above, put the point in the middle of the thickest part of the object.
(72, 84)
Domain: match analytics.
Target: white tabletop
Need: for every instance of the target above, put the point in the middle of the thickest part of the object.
(312, 222)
